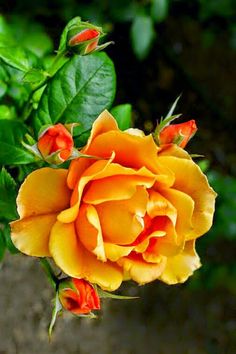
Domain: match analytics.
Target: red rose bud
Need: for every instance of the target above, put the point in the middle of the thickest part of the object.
(84, 38)
(178, 134)
(55, 144)
(78, 296)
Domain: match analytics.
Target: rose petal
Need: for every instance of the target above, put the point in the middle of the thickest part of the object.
(122, 221)
(70, 255)
(115, 187)
(89, 231)
(180, 267)
(190, 180)
(184, 205)
(31, 235)
(44, 191)
(141, 271)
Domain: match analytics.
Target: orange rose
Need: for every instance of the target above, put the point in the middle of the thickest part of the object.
(55, 140)
(135, 213)
(183, 131)
(78, 296)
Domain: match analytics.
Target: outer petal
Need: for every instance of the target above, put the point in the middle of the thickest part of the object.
(139, 270)
(104, 123)
(44, 191)
(190, 180)
(180, 267)
(31, 235)
(174, 150)
(76, 261)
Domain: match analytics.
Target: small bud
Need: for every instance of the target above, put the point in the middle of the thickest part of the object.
(84, 38)
(78, 296)
(55, 144)
(178, 134)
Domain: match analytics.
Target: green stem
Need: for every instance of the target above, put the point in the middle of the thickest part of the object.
(49, 272)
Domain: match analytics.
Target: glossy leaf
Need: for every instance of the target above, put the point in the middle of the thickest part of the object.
(7, 196)
(123, 115)
(16, 57)
(11, 135)
(78, 93)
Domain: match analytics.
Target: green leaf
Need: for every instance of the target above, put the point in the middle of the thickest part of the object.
(57, 308)
(11, 135)
(7, 112)
(172, 108)
(105, 294)
(142, 35)
(123, 115)
(78, 92)
(34, 76)
(3, 88)
(8, 242)
(7, 196)
(16, 57)
(159, 10)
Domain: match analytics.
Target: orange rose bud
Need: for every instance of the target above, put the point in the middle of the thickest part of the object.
(179, 134)
(55, 142)
(78, 296)
(90, 35)
(84, 37)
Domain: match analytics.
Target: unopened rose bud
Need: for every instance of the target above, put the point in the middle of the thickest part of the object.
(78, 296)
(84, 38)
(178, 134)
(55, 144)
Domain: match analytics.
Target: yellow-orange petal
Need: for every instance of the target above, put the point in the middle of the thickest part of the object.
(44, 191)
(190, 180)
(174, 150)
(184, 206)
(158, 205)
(136, 268)
(104, 123)
(69, 215)
(115, 252)
(131, 151)
(122, 221)
(179, 268)
(74, 260)
(116, 187)
(89, 231)
(31, 235)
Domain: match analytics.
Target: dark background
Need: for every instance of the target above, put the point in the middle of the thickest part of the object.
(193, 52)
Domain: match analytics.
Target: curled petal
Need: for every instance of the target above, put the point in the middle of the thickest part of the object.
(136, 268)
(179, 268)
(190, 180)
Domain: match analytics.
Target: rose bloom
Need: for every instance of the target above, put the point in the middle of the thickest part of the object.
(134, 213)
(78, 296)
(56, 139)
